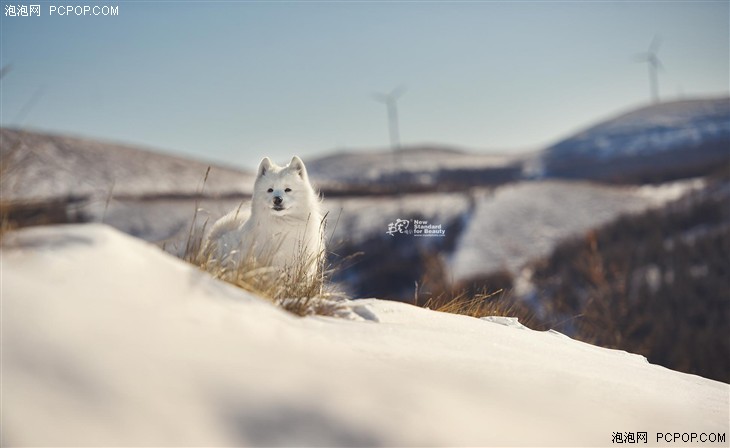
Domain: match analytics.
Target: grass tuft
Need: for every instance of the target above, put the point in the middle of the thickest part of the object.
(438, 292)
(302, 288)
(483, 304)
(6, 225)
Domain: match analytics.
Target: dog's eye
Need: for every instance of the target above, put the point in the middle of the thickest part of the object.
(288, 190)
(270, 190)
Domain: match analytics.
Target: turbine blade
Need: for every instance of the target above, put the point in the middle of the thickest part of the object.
(380, 97)
(656, 42)
(5, 70)
(641, 57)
(397, 92)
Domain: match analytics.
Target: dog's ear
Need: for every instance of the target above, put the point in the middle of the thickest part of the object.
(264, 166)
(297, 166)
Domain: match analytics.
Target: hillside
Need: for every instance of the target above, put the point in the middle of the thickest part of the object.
(486, 230)
(38, 166)
(525, 221)
(138, 348)
(655, 143)
(414, 169)
(654, 283)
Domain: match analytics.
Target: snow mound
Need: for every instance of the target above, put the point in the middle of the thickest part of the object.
(511, 322)
(108, 341)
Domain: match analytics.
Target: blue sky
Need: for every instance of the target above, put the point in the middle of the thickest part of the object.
(234, 81)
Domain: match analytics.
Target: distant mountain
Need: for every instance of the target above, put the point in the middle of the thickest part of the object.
(655, 143)
(43, 166)
(414, 168)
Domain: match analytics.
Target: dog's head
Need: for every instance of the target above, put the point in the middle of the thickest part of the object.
(282, 190)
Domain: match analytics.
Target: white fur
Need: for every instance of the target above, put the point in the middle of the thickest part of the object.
(280, 235)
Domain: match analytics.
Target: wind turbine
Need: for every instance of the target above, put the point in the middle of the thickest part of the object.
(391, 102)
(654, 64)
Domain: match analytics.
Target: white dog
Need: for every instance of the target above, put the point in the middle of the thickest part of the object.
(284, 229)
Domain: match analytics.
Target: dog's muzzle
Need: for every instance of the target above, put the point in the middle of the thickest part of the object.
(277, 203)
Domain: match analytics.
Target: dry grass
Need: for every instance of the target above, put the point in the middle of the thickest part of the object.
(479, 305)
(5, 224)
(303, 288)
(442, 295)
(497, 303)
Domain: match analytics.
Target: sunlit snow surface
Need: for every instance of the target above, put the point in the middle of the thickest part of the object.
(107, 341)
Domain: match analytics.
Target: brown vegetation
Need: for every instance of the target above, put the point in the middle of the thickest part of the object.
(657, 284)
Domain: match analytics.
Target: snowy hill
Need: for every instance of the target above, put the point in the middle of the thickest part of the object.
(525, 221)
(42, 166)
(107, 341)
(415, 168)
(666, 140)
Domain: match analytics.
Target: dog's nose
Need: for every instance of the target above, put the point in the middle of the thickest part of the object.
(278, 200)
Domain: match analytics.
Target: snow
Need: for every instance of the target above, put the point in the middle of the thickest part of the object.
(656, 128)
(524, 221)
(669, 114)
(671, 191)
(108, 341)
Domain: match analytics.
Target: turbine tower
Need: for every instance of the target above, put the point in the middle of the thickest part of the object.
(391, 102)
(654, 64)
